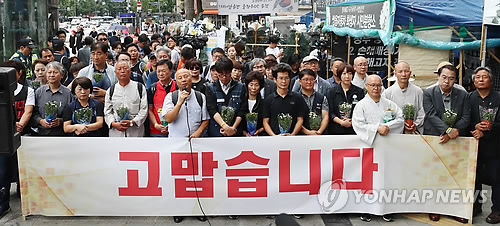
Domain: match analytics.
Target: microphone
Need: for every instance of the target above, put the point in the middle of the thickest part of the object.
(184, 89)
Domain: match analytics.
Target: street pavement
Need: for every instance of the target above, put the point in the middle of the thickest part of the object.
(14, 218)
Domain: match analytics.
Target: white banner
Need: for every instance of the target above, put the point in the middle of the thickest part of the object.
(491, 14)
(245, 7)
(246, 176)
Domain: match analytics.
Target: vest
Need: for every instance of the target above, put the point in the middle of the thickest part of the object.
(20, 101)
(316, 107)
(234, 102)
(27, 62)
(159, 94)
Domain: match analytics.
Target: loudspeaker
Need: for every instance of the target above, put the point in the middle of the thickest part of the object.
(10, 140)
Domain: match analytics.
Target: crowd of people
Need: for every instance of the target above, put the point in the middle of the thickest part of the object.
(153, 87)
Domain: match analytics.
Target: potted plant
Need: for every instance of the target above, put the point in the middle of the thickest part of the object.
(284, 122)
(51, 109)
(83, 115)
(227, 114)
(314, 121)
(449, 117)
(345, 110)
(409, 114)
(487, 115)
(123, 113)
(252, 122)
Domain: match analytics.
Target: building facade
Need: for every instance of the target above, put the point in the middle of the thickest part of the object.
(19, 18)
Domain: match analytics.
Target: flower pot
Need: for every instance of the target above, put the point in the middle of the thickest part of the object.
(409, 122)
(488, 123)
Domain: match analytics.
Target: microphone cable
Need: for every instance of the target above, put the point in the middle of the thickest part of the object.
(192, 160)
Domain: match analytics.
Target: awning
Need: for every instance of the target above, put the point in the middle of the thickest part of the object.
(210, 12)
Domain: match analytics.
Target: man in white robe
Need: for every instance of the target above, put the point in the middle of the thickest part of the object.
(403, 92)
(126, 93)
(375, 114)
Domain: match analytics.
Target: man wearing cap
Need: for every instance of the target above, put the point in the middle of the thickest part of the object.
(403, 92)
(24, 55)
(440, 65)
(320, 84)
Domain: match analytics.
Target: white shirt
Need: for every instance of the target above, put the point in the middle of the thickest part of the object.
(251, 103)
(190, 116)
(411, 95)
(127, 96)
(368, 115)
(225, 88)
(30, 100)
(276, 51)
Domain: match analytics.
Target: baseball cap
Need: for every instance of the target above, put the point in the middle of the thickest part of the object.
(27, 42)
(309, 58)
(442, 64)
(152, 55)
(57, 44)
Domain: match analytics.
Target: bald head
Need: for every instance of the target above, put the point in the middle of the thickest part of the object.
(402, 72)
(374, 87)
(183, 78)
(361, 66)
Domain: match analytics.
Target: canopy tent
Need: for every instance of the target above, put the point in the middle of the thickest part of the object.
(424, 14)
(442, 12)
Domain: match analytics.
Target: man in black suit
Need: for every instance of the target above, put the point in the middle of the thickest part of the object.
(437, 100)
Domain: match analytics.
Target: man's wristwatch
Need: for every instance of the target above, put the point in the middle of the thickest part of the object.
(131, 123)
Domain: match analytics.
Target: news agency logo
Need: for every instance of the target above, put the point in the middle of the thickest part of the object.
(333, 196)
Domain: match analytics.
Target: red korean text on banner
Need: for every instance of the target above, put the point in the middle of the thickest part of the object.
(368, 167)
(235, 186)
(314, 173)
(186, 187)
(133, 189)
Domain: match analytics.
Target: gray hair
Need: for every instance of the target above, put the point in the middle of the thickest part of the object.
(56, 65)
(123, 61)
(256, 61)
(487, 69)
(164, 49)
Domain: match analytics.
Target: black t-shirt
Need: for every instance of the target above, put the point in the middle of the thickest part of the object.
(200, 85)
(97, 111)
(292, 104)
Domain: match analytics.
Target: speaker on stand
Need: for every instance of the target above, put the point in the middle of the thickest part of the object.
(10, 140)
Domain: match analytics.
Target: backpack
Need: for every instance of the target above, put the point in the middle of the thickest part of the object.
(112, 90)
(199, 98)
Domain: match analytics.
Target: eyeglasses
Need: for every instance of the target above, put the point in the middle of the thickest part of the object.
(224, 74)
(258, 66)
(308, 80)
(194, 68)
(375, 86)
(102, 39)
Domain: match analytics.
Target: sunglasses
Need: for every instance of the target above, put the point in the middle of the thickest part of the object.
(194, 68)
(102, 39)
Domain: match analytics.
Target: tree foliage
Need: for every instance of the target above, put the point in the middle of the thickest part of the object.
(109, 7)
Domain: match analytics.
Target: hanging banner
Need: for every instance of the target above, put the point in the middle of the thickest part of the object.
(491, 14)
(246, 176)
(208, 4)
(319, 7)
(246, 7)
(363, 16)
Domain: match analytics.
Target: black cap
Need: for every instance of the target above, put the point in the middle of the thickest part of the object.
(152, 55)
(27, 42)
(57, 44)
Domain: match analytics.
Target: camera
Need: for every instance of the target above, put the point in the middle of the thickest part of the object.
(197, 42)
